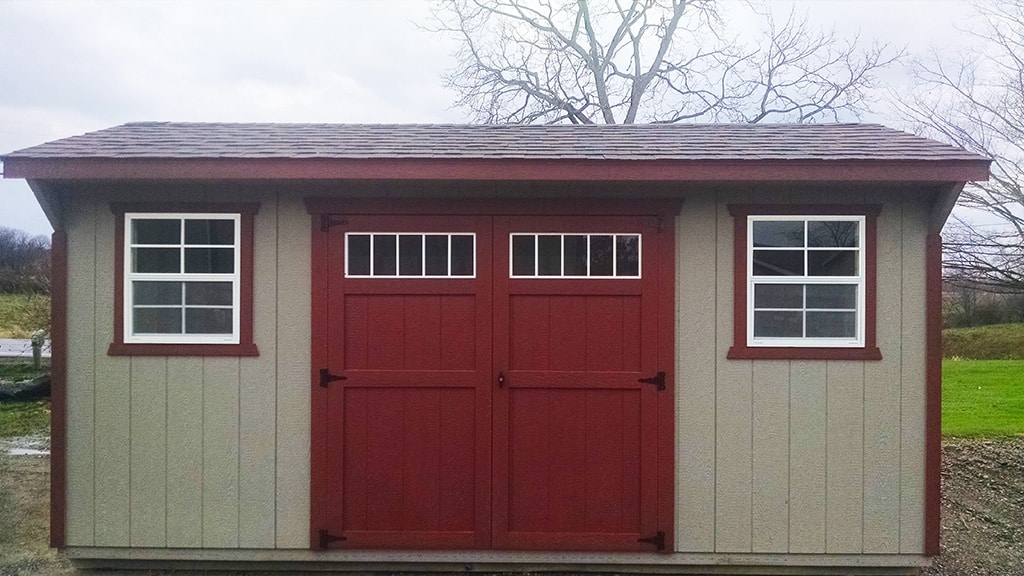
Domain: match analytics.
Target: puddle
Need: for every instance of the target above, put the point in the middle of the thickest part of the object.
(28, 452)
(26, 446)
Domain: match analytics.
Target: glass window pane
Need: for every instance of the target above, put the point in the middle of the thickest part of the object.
(523, 257)
(831, 324)
(208, 321)
(832, 296)
(156, 320)
(410, 255)
(158, 293)
(778, 324)
(627, 254)
(210, 232)
(208, 293)
(778, 296)
(601, 256)
(832, 234)
(437, 255)
(210, 260)
(549, 255)
(778, 233)
(778, 262)
(832, 262)
(156, 231)
(575, 255)
(384, 255)
(359, 254)
(462, 255)
(156, 260)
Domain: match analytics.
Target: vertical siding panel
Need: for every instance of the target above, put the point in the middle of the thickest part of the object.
(695, 365)
(845, 457)
(293, 373)
(807, 457)
(882, 396)
(912, 390)
(148, 452)
(220, 452)
(771, 457)
(184, 453)
(81, 376)
(113, 399)
(258, 401)
(733, 418)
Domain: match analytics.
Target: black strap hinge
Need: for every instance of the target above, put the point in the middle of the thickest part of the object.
(326, 378)
(658, 380)
(326, 538)
(658, 540)
(328, 221)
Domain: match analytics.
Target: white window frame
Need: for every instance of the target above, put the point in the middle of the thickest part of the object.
(129, 277)
(561, 246)
(859, 280)
(423, 255)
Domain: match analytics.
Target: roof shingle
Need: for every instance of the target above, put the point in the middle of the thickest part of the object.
(680, 142)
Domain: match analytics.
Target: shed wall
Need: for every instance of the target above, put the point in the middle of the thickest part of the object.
(799, 456)
(772, 456)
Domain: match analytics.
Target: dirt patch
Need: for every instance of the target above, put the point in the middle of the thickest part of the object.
(982, 508)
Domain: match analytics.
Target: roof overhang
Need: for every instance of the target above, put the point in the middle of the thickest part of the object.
(495, 169)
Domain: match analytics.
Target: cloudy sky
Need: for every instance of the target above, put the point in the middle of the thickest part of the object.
(70, 67)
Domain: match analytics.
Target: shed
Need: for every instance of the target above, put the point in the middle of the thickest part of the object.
(709, 348)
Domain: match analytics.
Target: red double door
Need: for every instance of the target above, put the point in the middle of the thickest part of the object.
(479, 409)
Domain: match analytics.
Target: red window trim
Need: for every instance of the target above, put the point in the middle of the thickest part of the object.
(245, 346)
(740, 350)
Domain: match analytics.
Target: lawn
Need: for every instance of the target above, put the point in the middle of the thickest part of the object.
(995, 342)
(982, 398)
(23, 314)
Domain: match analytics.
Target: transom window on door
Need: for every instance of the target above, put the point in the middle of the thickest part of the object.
(182, 278)
(805, 280)
(575, 256)
(410, 255)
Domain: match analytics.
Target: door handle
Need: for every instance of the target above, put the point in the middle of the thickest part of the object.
(501, 379)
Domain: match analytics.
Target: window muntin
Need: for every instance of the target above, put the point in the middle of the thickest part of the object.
(806, 281)
(182, 278)
(410, 255)
(575, 256)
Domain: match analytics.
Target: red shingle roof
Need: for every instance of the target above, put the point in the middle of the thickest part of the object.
(672, 142)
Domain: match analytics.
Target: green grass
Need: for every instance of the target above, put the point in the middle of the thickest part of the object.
(982, 398)
(23, 314)
(18, 369)
(24, 419)
(995, 342)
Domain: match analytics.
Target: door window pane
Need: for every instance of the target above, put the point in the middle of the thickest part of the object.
(410, 255)
(549, 255)
(437, 255)
(574, 255)
(463, 250)
(385, 261)
(602, 256)
(358, 254)
(627, 255)
(523, 255)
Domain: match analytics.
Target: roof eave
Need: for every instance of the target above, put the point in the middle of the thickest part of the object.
(566, 169)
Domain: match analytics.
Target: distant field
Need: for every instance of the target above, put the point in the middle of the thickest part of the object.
(23, 314)
(995, 342)
(983, 397)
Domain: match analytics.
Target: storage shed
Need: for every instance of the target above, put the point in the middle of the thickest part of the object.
(710, 348)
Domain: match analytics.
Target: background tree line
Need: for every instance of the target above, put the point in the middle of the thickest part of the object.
(24, 263)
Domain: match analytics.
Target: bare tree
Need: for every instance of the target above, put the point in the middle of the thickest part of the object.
(976, 101)
(24, 262)
(627, 61)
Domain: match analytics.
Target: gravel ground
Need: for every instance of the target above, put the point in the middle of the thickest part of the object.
(982, 508)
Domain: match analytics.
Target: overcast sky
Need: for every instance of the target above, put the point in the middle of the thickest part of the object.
(73, 67)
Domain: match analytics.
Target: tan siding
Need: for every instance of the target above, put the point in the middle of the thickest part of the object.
(732, 415)
(258, 397)
(771, 457)
(220, 452)
(807, 458)
(81, 378)
(184, 453)
(148, 451)
(113, 408)
(882, 395)
(293, 373)
(913, 381)
(695, 390)
(844, 457)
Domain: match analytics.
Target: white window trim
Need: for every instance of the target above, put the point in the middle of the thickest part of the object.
(234, 278)
(562, 275)
(859, 281)
(423, 256)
